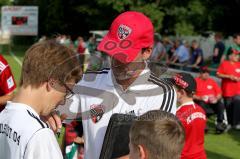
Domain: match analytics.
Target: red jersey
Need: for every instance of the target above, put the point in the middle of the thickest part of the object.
(193, 119)
(230, 88)
(207, 87)
(7, 83)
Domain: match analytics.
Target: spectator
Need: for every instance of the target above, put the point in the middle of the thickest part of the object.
(234, 47)
(91, 45)
(196, 59)
(181, 54)
(7, 83)
(158, 54)
(156, 135)
(159, 51)
(81, 45)
(62, 39)
(192, 117)
(229, 72)
(81, 51)
(218, 50)
(208, 95)
(168, 44)
(68, 41)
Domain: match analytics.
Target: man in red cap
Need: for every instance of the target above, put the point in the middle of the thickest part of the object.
(128, 87)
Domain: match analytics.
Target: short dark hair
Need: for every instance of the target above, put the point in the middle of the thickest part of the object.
(160, 132)
(189, 94)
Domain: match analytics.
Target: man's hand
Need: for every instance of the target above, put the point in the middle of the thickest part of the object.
(79, 140)
(234, 78)
(54, 121)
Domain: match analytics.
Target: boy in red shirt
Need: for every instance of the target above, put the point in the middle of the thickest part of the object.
(208, 95)
(191, 116)
(229, 71)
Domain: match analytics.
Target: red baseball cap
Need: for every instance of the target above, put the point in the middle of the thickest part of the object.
(129, 33)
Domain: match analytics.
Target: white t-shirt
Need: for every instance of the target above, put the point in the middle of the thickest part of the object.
(23, 135)
(99, 96)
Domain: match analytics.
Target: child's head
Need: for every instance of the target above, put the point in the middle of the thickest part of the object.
(204, 72)
(156, 135)
(52, 69)
(236, 38)
(233, 55)
(185, 86)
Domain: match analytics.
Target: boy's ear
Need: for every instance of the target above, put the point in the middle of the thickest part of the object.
(143, 154)
(50, 85)
(183, 92)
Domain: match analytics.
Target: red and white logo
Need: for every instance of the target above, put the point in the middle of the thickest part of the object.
(96, 112)
(237, 70)
(209, 86)
(123, 32)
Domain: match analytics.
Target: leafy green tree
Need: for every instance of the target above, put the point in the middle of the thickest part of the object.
(151, 9)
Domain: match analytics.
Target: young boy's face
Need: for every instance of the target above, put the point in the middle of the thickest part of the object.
(57, 95)
(179, 95)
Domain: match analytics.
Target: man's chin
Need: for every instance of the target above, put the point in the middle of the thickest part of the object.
(121, 78)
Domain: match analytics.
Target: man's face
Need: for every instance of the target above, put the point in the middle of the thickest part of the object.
(237, 40)
(204, 75)
(194, 45)
(124, 71)
(234, 57)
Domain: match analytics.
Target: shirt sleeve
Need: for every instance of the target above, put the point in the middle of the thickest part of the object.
(43, 145)
(7, 84)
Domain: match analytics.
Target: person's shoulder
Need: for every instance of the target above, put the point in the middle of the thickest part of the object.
(225, 62)
(21, 115)
(198, 49)
(210, 79)
(197, 78)
(183, 109)
(161, 82)
(220, 43)
(166, 84)
(102, 71)
(199, 108)
(92, 77)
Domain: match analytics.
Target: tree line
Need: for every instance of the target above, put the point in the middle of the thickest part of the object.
(170, 17)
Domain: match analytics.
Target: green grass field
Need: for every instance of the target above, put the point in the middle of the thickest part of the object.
(224, 146)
